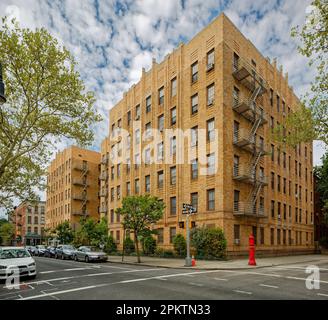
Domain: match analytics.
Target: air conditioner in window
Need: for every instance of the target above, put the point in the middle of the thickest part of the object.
(237, 242)
(210, 66)
(210, 102)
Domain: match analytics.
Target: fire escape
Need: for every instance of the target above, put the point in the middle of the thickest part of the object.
(252, 172)
(81, 182)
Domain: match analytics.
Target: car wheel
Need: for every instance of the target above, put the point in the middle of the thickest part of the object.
(32, 277)
(86, 259)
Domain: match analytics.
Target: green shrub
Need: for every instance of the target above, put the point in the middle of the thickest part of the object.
(110, 245)
(128, 246)
(180, 246)
(149, 245)
(209, 242)
(324, 242)
(168, 254)
(159, 252)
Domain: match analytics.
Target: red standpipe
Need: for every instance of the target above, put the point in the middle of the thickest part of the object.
(251, 260)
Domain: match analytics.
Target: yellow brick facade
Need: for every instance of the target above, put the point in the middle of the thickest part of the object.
(274, 233)
(73, 187)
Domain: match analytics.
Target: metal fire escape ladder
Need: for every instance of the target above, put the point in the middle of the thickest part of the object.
(84, 192)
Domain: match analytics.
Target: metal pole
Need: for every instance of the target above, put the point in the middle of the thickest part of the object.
(188, 259)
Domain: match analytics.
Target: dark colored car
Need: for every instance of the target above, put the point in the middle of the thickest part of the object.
(40, 250)
(65, 251)
(32, 250)
(50, 252)
(88, 254)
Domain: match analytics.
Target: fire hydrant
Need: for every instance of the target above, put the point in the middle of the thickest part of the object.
(251, 260)
(193, 261)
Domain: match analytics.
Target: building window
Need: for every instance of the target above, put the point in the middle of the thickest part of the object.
(272, 180)
(173, 145)
(128, 188)
(173, 175)
(173, 87)
(136, 161)
(148, 104)
(211, 199)
(194, 200)
(173, 116)
(278, 183)
(36, 220)
(112, 194)
(236, 195)
(235, 96)
(272, 236)
(138, 112)
(173, 206)
(160, 151)
(194, 103)
(136, 186)
(278, 236)
(210, 60)
(211, 164)
(236, 233)
(235, 166)
(271, 97)
(194, 72)
(194, 169)
(118, 192)
(210, 130)
(118, 236)
(29, 220)
(160, 235)
(147, 183)
(148, 131)
(160, 179)
(279, 210)
(272, 208)
(194, 136)
(129, 118)
(128, 165)
(284, 185)
(278, 104)
(254, 231)
(118, 170)
(210, 94)
(173, 232)
(147, 157)
(285, 211)
(235, 62)
(272, 152)
(261, 235)
(160, 121)
(161, 96)
(112, 216)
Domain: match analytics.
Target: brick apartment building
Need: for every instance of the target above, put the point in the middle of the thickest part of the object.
(29, 222)
(73, 186)
(218, 82)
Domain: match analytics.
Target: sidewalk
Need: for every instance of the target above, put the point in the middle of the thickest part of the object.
(218, 265)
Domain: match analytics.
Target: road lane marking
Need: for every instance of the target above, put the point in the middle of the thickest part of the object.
(61, 292)
(220, 279)
(243, 292)
(322, 294)
(90, 275)
(268, 286)
(72, 269)
(196, 284)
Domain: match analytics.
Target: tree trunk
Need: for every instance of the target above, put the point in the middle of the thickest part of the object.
(137, 245)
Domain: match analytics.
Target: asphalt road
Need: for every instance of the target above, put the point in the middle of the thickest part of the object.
(68, 279)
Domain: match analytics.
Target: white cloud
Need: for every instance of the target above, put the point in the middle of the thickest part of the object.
(106, 40)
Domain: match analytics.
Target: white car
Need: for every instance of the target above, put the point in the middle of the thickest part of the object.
(16, 257)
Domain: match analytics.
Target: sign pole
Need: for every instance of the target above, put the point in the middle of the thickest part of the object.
(188, 259)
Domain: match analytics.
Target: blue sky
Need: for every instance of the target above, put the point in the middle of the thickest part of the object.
(112, 40)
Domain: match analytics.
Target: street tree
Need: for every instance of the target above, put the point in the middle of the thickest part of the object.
(46, 102)
(138, 214)
(310, 121)
(64, 232)
(6, 232)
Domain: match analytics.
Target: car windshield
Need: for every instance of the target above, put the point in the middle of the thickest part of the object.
(68, 247)
(92, 249)
(13, 253)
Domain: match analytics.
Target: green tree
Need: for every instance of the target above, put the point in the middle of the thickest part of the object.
(46, 102)
(321, 174)
(86, 232)
(6, 232)
(64, 232)
(139, 213)
(180, 245)
(311, 122)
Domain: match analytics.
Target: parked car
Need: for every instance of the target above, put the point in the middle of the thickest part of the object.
(16, 257)
(40, 250)
(50, 252)
(64, 251)
(87, 254)
(31, 250)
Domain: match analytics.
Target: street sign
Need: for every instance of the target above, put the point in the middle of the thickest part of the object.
(188, 209)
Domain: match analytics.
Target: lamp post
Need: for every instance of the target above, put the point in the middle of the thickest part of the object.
(2, 88)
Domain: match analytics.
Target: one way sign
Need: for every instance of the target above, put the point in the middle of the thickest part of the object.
(188, 209)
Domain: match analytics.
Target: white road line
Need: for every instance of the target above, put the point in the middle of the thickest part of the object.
(322, 294)
(243, 292)
(196, 284)
(99, 274)
(60, 292)
(268, 286)
(63, 270)
(219, 279)
(296, 268)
